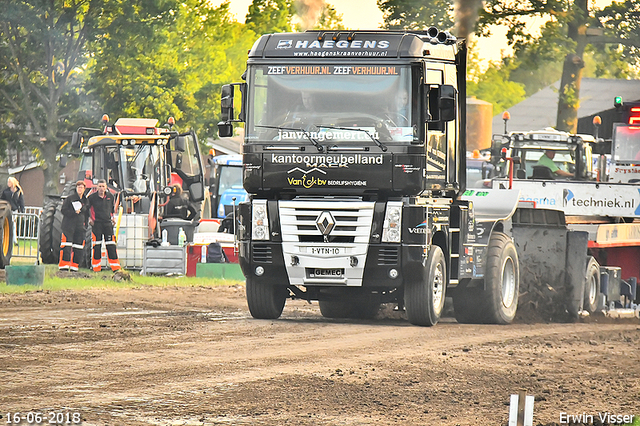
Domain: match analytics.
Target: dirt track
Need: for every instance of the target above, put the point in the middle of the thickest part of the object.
(193, 356)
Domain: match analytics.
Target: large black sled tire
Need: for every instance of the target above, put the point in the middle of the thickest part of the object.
(424, 297)
(6, 236)
(50, 232)
(592, 287)
(266, 301)
(361, 309)
(466, 304)
(502, 280)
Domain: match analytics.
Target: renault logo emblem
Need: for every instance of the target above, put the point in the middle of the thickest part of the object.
(325, 223)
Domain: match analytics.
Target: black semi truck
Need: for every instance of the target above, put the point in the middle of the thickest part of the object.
(354, 157)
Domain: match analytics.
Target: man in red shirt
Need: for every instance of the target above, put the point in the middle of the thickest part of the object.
(101, 207)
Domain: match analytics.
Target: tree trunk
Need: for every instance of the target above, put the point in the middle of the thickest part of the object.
(569, 93)
(48, 153)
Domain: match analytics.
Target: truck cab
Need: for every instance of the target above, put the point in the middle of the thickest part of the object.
(354, 158)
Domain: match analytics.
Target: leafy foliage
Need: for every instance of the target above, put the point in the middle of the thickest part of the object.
(417, 14)
(270, 16)
(42, 53)
(170, 64)
(329, 18)
(564, 45)
(494, 86)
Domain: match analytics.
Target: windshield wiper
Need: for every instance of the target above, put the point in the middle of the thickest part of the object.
(315, 143)
(379, 144)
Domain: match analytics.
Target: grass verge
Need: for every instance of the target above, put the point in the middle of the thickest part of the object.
(86, 279)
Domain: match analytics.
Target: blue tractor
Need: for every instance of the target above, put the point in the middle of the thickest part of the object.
(226, 184)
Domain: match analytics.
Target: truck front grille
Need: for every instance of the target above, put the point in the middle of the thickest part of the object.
(352, 221)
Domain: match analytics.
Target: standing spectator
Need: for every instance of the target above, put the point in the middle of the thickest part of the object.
(74, 210)
(179, 205)
(14, 195)
(101, 207)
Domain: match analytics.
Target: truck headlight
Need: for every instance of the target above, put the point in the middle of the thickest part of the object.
(259, 221)
(391, 228)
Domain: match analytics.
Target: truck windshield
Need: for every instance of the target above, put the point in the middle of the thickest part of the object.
(140, 167)
(372, 98)
(626, 143)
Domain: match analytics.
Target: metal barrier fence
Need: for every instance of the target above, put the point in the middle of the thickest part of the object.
(33, 210)
(25, 234)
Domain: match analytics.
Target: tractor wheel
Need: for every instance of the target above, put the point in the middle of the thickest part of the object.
(592, 287)
(6, 236)
(50, 232)
(87, 253)
(502, 280)
(424, 297)
(266, 301)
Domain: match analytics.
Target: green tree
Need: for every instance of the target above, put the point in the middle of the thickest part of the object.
(270, 16)
(171, 65)
(329, 18)
(130, 74)
(581, 28)
(417, 14)
(573, 30)
(42, 53)
(494, 86)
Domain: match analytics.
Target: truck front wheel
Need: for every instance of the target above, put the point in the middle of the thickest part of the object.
(266, 301)
(424, 297)
(502, 280)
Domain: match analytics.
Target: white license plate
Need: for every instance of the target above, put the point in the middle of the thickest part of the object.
(326, 273)
(326, 250)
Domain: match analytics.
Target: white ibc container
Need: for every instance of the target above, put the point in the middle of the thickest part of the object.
(132, 236)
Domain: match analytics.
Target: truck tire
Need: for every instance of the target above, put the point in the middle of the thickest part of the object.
(87, 253)
(424, 298)
(266, 301)
(50, 232)
(502, 280)
(349, 309)
(592, 287)
(6, 236)
(466, 305)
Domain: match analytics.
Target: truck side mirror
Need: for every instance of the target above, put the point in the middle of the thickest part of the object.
(76, 140)
(181, 144)
(225, 129)
(226, 102)
(196, 191)
(63, 161)
(447, 103)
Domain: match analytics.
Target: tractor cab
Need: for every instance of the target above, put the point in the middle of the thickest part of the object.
(542, 154)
